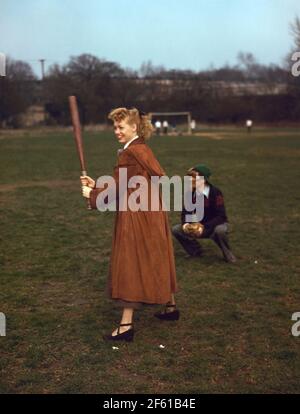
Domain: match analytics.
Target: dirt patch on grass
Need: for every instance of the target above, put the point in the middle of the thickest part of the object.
(241, 134)
(211, 135)
(50, 184)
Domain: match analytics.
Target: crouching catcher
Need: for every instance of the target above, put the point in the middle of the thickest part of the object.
(214, 224)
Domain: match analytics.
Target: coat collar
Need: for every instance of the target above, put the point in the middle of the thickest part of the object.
(137, 141)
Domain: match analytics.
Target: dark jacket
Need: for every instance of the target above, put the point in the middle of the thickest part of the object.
(214, 211)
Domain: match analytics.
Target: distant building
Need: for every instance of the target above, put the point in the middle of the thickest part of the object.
(34, 115)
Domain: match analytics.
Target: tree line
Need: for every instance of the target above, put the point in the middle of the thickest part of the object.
(264, 93)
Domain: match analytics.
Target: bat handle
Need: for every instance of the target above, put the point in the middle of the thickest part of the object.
(88, 203)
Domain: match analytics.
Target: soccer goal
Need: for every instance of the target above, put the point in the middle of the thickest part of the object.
(166, 116)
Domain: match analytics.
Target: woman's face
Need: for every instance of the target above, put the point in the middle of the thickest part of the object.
(124, 131)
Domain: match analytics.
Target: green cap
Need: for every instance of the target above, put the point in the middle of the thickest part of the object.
(202, 170)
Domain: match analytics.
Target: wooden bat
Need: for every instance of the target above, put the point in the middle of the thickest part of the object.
(78, 136)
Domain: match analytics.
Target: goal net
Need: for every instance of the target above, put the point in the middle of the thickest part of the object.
(173, 118)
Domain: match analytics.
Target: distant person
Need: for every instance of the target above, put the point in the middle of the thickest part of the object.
(214, 224)
(249, 124)
(157, 127)
(165, 126)
(193, 126)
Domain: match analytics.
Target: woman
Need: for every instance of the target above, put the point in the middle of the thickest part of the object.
(142, 268)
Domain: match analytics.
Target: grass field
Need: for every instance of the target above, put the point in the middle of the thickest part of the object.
(234, 335)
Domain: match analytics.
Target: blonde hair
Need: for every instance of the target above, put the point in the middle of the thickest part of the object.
(133, 116)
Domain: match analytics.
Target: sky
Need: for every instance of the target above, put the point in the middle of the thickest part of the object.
(182, 34)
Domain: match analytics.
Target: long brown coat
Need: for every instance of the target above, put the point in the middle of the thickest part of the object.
(142, 267)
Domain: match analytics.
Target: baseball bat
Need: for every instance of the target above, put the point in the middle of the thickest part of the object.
(78, 136)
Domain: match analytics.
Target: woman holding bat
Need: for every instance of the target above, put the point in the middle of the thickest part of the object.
(142, 268)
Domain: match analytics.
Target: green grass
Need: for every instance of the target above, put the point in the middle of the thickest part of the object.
(234, 335)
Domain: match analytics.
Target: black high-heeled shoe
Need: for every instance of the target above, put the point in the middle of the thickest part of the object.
(124, 336)
(168, 316)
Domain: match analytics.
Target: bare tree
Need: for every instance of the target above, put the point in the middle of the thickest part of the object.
(16, 91)
(148, 70)
(295, 31)
(91, 79)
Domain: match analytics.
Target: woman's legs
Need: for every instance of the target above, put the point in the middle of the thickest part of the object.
(170, 313)
(172, 304)
(127, 318)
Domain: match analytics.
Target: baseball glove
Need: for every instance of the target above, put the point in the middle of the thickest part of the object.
(193, 229)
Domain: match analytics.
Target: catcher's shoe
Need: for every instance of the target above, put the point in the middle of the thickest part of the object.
(229, 257)
(168, 316)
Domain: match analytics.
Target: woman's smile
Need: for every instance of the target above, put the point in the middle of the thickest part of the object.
(124, 131)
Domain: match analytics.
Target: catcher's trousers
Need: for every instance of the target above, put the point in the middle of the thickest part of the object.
(193, 248)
